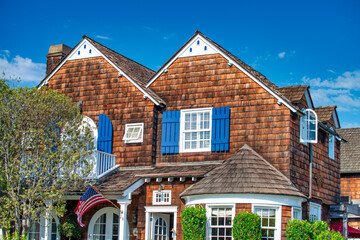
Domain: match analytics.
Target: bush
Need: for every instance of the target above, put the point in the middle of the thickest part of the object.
(15, 236)
(70, 228)
(247, 226)
(330, 235)
(193, 223)
(316, 230)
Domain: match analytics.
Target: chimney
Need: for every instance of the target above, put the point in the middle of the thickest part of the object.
(55, 55)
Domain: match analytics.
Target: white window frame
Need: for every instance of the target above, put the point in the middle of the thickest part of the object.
(316, 209)
(209, 208)
(45, 223)
(139, 137)
(278, 214)
(306, 122)
(183, 131)
(109, 225)
(294, 211)
(162, 202)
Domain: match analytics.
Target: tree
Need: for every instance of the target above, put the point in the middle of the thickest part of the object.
(43, 153)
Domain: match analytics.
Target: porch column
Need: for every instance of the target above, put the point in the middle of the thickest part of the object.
(123, 222)
(47, 222)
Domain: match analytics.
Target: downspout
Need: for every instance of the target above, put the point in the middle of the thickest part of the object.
(310, 172)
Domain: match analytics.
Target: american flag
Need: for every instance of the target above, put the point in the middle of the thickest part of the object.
(90, 198)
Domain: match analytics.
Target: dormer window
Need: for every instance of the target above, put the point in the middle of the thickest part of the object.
(309, 127)
(134, 133)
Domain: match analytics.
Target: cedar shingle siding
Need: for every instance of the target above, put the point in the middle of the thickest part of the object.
(264, 153)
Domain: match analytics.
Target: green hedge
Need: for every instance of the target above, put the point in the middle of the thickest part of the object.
(247, 226)
(193, 220)
(305, 230)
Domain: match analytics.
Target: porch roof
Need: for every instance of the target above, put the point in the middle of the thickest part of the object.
(123, 178)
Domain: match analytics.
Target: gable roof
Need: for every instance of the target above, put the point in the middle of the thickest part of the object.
(136, 73)
(244, 172)
(324, 114)
(294, 93)
(249, 71)
(350, 150)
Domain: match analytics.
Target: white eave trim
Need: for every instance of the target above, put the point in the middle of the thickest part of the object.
(112, 64)
(308, 99)
(280, 100)
(336, 120)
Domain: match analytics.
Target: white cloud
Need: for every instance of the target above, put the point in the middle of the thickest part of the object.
(348, 80)
(23, 68)
(102, 37)
(282, 54)
(332, 71)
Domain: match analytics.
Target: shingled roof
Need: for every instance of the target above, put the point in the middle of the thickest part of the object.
(121, 179)
(244, 172)
(294, 93)
(324, 113)
(350, 150)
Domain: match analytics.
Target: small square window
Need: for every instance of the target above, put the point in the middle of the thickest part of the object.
(134, 133)
(162, 197)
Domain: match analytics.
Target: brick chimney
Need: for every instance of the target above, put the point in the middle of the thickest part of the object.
(55, 55)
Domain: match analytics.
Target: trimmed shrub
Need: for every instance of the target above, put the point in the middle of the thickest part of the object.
(193, 220)
(330, 235)
(305, 230)
(247, 226)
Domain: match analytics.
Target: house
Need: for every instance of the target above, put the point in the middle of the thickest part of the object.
(350, 171)
(206, 129)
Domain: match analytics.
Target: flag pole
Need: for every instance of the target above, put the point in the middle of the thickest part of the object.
(105, 197)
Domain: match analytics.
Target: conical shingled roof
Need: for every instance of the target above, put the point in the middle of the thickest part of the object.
(244, 172)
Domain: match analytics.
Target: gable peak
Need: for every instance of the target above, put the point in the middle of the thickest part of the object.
(198, 46)
(84, 50)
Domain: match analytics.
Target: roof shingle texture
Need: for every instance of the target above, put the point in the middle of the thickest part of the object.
(324, 113)
(350, 150)
(244, 172)
(294, 93)
(137, 72)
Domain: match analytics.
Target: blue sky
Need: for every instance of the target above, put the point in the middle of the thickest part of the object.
(290, 42)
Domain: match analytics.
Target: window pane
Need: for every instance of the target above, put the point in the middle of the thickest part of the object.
(193, 121)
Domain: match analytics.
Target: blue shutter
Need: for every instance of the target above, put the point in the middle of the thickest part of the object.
(170, 132)
(220, 129)
(104, 141)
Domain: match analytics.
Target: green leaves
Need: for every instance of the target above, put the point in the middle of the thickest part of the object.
(193, 223)
(38, 164)
(247, 226)
(305, 230)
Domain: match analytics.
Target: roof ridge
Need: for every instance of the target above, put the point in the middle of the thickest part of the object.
(247, 147)
(88, 38)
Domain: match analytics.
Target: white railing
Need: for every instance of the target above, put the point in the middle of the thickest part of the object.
(102, 164)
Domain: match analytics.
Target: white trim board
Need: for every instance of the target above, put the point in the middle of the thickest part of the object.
(217, 50)
(91, 46)
(244, 198)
